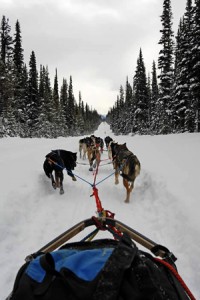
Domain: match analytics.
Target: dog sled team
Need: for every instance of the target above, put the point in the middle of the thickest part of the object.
(103, 268)
(125, 162)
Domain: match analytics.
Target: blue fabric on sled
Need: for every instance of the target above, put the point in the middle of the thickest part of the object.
(84, 264)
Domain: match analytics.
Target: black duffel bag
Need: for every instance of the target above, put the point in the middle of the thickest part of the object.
(102, 269)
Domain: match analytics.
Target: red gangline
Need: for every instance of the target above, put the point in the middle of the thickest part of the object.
(98, 201)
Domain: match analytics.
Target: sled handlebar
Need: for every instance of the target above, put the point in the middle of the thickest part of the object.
(106, 222)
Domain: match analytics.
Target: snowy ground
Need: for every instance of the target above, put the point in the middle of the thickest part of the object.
(164, 205)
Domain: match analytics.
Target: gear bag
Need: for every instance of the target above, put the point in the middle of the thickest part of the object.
(103, 269)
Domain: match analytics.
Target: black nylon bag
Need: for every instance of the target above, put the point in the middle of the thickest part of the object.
(65, 284)
(127, 274)
(148, 279)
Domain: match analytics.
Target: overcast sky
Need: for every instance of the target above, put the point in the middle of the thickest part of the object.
(95, 41)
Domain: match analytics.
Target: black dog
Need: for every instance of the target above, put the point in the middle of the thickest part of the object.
(99, 143)
(107, 140)
(56, 161)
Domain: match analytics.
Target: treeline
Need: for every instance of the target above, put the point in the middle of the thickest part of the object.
(168, 102)
(29, 106)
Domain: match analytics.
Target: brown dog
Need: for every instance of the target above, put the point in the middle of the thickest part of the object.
(94, 156)
(126, 163)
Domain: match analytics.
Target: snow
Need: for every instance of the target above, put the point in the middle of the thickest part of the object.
(164, 205)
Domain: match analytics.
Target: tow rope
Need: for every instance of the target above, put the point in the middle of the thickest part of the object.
(101, 212)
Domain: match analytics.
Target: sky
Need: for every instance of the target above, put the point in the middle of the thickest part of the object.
(97, 42)
(164, 205)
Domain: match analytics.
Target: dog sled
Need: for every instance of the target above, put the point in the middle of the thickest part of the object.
(99, 269)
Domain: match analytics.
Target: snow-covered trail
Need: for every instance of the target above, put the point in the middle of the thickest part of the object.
(163, 206)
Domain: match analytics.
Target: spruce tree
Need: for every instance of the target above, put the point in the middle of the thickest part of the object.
(33, 107)
(121, 120)
(48, 96)
(42, 119)
(116, 115)
(80, 116)
(48, 104)
(183, 112)
(64, 101)
(6, 41)
(19, 92)
(23, 112)
(55, 93)
(195, 69)
(71, 108)
(149, 93)
(154, 99)
(165, 64)
(2, 68)
(87, 118)
(7, 105)
(6, 78)
(59, 117)
(141, 96)
(180, 89)
(18, 56)
(128, 107)
(56, 107)
(128, 94)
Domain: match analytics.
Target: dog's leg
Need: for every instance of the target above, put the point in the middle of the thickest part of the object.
(116, 177)
(90, 160)
(116, 172)
(61, 189)
(69, 172)
(53, 181)
(57, 180)
(61, 177)
(131, 187)
(115, 167)
(80, 149)
(94, 163)
(91, 165)
(128, 190)
(98, 157)
(84, 151)
(109, 154)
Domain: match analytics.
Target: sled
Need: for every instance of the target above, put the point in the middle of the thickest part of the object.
(151, 276)
(108, 269)
(115, 227)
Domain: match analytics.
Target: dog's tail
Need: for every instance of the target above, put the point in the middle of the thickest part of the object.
(137, 169)
(134, 168)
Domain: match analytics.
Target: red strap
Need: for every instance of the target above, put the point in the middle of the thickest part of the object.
(178, 277)
(98, 224)
(98, 201)
(100, 209)
(110, 214)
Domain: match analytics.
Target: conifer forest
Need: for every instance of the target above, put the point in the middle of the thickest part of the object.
(166, 100)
